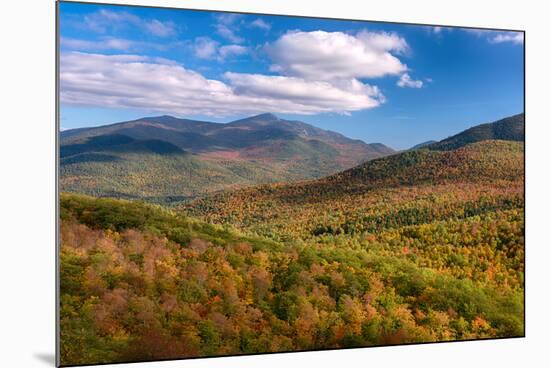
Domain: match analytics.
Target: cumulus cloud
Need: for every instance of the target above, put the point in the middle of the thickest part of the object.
(227, 33)
(104, 21)
(205, 48)
(226, 27)
(152, 84)
(406, 81)
(261, 24)
(308, 96)
(333, 55)
(512, 37)
(161, 29)
(228, 18)
(317, 72)
(231, 50)
(383, 41)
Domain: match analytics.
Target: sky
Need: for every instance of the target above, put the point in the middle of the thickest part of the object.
(391, 83)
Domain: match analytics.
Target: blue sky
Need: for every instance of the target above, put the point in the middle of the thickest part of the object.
(395, 84)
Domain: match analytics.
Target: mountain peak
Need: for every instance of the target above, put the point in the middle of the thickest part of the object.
(160, 118)
(261, 119)
(266, 116)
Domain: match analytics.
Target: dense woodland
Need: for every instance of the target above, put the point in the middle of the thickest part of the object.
(421, 246)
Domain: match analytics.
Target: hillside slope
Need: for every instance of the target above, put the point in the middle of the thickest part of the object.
(511, 128)
(139, 282)
(412, 187)
(154, 170)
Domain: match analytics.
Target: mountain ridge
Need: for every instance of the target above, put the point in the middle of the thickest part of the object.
(511, 128)
(473, 165)
(195, 157)
(168, 157)
(210, 128)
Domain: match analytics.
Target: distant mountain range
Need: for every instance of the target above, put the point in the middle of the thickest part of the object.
(165, 158)
(247, 138)
(484, 157)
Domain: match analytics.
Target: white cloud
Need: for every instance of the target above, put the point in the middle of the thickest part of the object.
(151, 84)
(318, 72)
(205, 48)
(512, 37)
(496, 37)
(228, 18)
(226, 26)
(104, 44)
(112, 43)
(383, 41)
(406, 81)
(437, 31)
(307, 96)
(105, 20)
(227, 33)
(161, 29)
(261, 24)
(231, 50)
(321, 55)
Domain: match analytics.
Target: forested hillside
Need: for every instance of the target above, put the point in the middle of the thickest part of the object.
(139, 282)
(511, 128)
(406, 187)
(302, 266)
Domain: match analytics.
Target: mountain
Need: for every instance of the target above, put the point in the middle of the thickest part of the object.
(164, 158)
(509, 129)
(116, 165)
(481, 165)
(159, 126)
(411, 187)
(422, 145)
(245, 134)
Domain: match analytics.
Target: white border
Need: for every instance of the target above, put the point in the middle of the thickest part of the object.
(28, 167)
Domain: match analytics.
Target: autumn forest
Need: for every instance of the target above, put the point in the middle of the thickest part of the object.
(300, 243)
